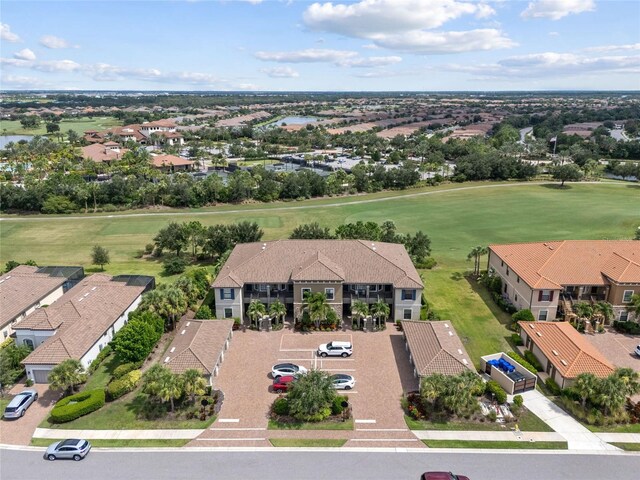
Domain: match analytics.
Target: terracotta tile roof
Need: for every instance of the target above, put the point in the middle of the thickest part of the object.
(169, 160)
(436, 348)
(197, 344)
(80, 317)
(347, 261)
(23, 287)
(575, 354)
(167, 123)
(99, 153)
(572, 262)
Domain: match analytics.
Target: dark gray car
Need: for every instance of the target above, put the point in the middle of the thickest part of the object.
(72, 448)
(19, 404)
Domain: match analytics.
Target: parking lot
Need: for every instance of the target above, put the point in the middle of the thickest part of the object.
(380, 365)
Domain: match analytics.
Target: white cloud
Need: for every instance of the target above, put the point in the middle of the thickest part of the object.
(51, 41)
(280, 72)
(408, 25)
(557, 9)
(614, 48)
(21, 82)
(554, 34)
(25, 54)
(56, 66)
(368, 62)
(371, 46)
(7, 35)
(310, 55)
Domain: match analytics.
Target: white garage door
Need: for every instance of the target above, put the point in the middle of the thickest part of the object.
(41, 376)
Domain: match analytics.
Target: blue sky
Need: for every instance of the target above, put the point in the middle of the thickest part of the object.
(310, 46)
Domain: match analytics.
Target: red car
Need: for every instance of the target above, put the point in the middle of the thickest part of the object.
(281, 384)
(442, 476)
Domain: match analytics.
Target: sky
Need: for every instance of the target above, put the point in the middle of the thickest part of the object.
(296, 45)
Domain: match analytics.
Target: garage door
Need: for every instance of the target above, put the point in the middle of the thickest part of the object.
(41, 376)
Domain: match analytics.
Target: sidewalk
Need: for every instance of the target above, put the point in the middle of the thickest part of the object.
(185, 434)
(577, 436)
(489, 436)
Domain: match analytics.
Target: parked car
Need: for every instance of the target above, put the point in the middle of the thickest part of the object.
(342, 381)
(19, 404)
(335, 349)
(442, 476)
(281, 384)
(289, 369)
(638, 350)
(72, 448)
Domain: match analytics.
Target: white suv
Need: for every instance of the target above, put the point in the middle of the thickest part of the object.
(335, 349)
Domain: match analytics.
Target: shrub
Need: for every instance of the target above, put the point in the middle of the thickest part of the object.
(553, 387)
(516, 339)
(523, 316)
(281, 406)
(75, 406)
(337, 408)
(137, 338)
(518, 401)
(627, 327)
(104, 353)
(428, 264)
(148, 248)
(522, 362)
(123, 369)
(125, 384)
(494, 387)
(204, 313)
(174, 265)
(533, 361)
(493, 416)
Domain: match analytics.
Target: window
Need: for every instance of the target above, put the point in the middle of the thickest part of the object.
(304, 291)
(406, 314)
(507, 271)
(626, 296)
(542, 314)
(330, 293)
(408, 294)
(373, 288)
(227, 294)
(624, 316)
(518, 279)
(545, 296)
(516, 298)
(505, 288)
(28, 343)
(501, 263)
(228, 312)
(262, 287)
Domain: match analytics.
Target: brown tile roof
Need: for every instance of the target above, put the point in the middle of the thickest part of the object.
(572, 262)
(99, 153)
(197, 344)
(347, 261)
(81, 316)
(23, 287)
(436, 348)
(169, 160)
(167, 123)
(575, 354)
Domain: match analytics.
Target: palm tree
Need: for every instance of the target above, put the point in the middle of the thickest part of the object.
(380, 311)
(255, 311)
(476, 253)
(193, 383)
(583, 310)
(67, 375)
(604, 310)
(170, 388)
(359, 309)
(278, 310)
(635, 305)
(630, 379)
(611, 394)
(586, 385)
(316, 306)
(432, 387)
(154, 378)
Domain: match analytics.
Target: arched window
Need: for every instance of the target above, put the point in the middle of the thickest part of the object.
(28, 342)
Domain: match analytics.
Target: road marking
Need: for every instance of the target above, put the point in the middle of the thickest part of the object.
(338, 369)
(383, 430)
(237, 429)
(364, 421)
(379, 439)
(230, 439)
(228, 420)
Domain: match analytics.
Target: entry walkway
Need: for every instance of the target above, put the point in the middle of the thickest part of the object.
(578, 437)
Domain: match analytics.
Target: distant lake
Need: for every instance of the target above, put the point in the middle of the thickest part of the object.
(4, 139)
(293, 121)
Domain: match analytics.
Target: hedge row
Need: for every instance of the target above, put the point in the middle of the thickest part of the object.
(523, 362)
(122, 370)
(532, 359)
(494, 387)
(627, 327)
(125, 384)
(75, 406)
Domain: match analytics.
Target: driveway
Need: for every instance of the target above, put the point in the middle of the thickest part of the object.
(20, 431)
(617, 348)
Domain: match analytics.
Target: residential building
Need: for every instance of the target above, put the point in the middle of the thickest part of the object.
(103, 152)
(25, 289)
(199, 345)
(344, 270)
(171, 163)
(434, 347)
(563, 352)
(549, 277)
(80, 323)
(158, 126)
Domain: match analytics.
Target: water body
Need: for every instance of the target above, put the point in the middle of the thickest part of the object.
(293, 121)
(4, 139)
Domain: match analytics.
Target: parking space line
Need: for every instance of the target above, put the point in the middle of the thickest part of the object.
(338, 369)
(228, 420)
(230, 439)
(364, 421)
(382, 430)
(297, 349)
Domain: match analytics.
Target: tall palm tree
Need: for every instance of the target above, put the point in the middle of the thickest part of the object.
(611, 394)
(476, 253)
(380, 311)
(630, 379)
(193, 383)
(170, 388)
(278, 310)
(359, 309)
(583, 310)
(67, 375)
(316, 306)
(586, 385)
(604, 310)
(255, 311)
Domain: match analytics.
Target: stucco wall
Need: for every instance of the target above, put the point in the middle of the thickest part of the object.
(399, 305)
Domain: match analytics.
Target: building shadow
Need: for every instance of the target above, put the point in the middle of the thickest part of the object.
(405, 369)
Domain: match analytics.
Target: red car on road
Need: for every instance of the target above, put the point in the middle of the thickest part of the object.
(281, 384)
(442, 476)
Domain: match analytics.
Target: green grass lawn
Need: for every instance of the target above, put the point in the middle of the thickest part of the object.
(629, 447)
(100, 378)
(275, 425)
(79, 125)
(310, 442)
(45, 442)
(528, 422)
(122, 414)
(626, 428)
(517, 445)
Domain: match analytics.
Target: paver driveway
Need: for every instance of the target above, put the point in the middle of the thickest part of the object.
(617, 348)
(20, 431)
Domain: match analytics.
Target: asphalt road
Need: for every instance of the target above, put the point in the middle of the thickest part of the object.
(302, 465)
